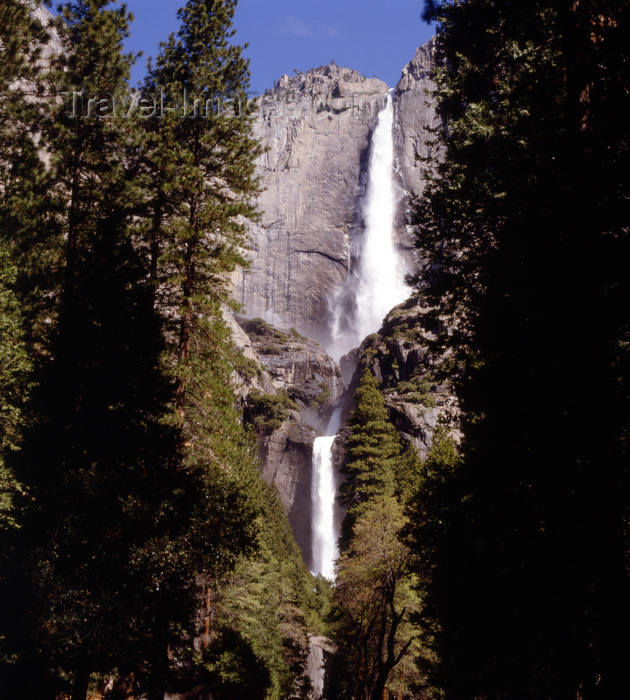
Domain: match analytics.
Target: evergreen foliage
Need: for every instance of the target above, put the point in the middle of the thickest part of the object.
(21, 41)
(522, 229)
(142, 549)
(202, 166)
(15, 365)
(374, 599)
(267, 412)
(373, 449)
(265, 601)
(23, 222)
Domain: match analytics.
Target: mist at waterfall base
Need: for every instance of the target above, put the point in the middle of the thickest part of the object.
(374, 287)
(376, 283)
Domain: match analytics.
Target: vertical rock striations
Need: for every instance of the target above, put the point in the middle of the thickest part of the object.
(316, 128)
(415, 118)
(287, 386)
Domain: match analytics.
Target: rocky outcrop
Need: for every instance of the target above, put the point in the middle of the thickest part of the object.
(249, 374)
(316, 130)
(415, 119)
(298, 366)
(287, 455)
(414, 373)
(287, 385)
(321, 648)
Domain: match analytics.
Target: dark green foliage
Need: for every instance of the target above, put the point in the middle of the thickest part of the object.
(201, 168)
(265, 598)
(139, 490)
(374, 600)
(256, 326)
(522, 229)
(27, 240)
(103, 504)
(22, 39)
(15, 365)
(323, 397)
(373, 448)
(271, 340)
(246, 367)
(267, 412)
(235, 672)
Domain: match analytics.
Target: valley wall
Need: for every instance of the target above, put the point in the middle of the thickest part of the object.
(316, 128)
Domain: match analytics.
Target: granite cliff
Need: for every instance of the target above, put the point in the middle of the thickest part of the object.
(414, 372)
(287, 386)
(316, 128)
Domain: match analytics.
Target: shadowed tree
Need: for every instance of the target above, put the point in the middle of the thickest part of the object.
(522, 229)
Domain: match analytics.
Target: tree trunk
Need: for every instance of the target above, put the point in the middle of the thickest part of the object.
(80, 685)
(155, 243)
(188, 288)
(378, 693)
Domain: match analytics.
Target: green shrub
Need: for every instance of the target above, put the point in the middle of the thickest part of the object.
(267, 412)
(260, 328)
(322, 398)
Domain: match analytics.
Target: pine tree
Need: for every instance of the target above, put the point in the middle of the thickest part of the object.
(15, 366)
(85, 136)
(204, 206)
(374, 449)
(198, 163)
(259, 644)
(99, 575)
(374, 600)
(22, 39)
(24, 222)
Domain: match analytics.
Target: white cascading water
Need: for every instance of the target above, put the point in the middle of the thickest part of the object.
(371, 291)
(324, 536)
(377, 283)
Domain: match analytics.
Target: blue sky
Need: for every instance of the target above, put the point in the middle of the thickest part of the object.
(375, 37)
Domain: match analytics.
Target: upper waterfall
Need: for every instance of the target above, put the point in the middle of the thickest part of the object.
(376, 284)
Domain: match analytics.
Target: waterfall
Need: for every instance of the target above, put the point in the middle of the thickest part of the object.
(324, 538)
(374, 287)
(376, 284)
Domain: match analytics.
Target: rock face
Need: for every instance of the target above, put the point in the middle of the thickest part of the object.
(415, 117)
(317, 128)
(320, 649)
(299, 366)
(413, 371)
(287, 455)
(287, 386)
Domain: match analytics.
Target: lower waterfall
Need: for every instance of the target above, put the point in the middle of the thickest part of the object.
(323, 488)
